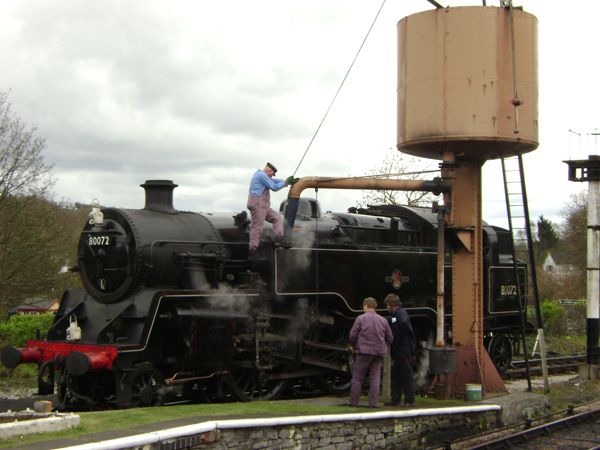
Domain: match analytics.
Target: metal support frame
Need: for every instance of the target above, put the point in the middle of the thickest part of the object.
(473, 362)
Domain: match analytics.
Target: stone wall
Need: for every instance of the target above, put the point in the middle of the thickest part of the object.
(419, 431)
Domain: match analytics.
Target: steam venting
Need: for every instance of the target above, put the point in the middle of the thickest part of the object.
(159, 195)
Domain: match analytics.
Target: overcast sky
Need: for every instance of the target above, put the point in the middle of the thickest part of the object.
(205, 93)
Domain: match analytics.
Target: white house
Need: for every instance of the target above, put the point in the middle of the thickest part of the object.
(558, 263)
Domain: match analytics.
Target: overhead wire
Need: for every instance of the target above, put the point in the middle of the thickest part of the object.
(340, 88)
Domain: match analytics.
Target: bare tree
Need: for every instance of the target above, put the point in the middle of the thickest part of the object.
(397, 165)
(23, 171)
(35, 234)
(574, 230)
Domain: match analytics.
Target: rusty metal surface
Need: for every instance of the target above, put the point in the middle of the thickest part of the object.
(465, 222)
(455, 83)
(474, 369)
(467, 271)
(366, 183)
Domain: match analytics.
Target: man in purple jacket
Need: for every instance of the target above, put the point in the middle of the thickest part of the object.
(370, 337)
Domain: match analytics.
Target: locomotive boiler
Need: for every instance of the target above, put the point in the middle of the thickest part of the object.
(173, 309)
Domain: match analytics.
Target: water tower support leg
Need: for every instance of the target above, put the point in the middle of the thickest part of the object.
(472, 361)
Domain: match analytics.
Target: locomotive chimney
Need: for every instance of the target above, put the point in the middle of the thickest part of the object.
(159, 195)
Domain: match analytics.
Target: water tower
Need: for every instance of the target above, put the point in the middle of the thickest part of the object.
(467, 93)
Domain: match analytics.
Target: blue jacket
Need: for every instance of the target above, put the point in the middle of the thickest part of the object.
(261, 181)
(404, 336)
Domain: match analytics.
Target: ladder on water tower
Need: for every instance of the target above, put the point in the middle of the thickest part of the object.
(522, 248)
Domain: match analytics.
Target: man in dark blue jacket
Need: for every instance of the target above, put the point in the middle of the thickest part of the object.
(403, 349)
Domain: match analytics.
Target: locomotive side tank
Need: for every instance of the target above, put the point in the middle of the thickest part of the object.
(173, 309)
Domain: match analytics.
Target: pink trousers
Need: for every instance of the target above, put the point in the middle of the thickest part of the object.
(362, 363)
(260, 210)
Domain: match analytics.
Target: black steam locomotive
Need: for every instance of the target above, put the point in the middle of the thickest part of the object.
(173, 309)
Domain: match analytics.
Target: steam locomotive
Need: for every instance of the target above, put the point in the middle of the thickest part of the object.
(173, 309)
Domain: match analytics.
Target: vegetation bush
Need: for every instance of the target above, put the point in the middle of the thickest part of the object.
(553, 319)
(19, 329)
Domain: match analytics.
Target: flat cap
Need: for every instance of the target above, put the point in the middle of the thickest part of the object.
(272, 167)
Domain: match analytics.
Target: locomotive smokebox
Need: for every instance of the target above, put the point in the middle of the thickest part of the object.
(159, 195)
(468, 83)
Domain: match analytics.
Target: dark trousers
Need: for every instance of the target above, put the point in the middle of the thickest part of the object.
(363, 363)
(402, 378)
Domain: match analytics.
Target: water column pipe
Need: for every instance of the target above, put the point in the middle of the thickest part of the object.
(441, 218)
(436, 186)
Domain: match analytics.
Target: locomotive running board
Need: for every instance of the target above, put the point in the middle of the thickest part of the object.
(341, 348)
(321, 363)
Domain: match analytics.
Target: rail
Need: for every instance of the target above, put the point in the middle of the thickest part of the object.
(560, 364)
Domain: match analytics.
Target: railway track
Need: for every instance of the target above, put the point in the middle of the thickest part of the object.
(577, 432)
(556, 365)
(575, 428)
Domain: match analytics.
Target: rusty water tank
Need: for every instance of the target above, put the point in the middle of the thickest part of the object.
(455, 83)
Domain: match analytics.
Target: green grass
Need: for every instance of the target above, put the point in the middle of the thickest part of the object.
(24, 376)
(99, 421)
(563, 345)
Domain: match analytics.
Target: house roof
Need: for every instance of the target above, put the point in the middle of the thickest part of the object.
(561, 258)
(37, 303)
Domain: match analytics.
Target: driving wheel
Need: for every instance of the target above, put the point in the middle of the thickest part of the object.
(146, 386)
(500, 351)
(249, 384)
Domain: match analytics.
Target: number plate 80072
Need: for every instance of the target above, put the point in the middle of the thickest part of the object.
(99, 240)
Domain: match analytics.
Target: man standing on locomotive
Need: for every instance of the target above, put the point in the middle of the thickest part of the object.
(370, 337)
(403, 349)
(259, 204)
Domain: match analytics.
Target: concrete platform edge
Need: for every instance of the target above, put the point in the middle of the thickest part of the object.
(156, 437)
(54, 422)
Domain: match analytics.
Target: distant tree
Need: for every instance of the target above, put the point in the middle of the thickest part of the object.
(547, 233)
(397, 165)
(548, 239)
(574, 230)
(23, 171)
(36, 236)
(43, 241)
(571, 246)
(559, 285)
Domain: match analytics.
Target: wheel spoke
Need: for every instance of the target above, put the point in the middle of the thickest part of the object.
(500, 351)
(334, 382)
(143, 386)
(245, 385)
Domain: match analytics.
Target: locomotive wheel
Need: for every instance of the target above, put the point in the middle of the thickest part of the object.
(333, 382)
(146, 386)
(501, 351)
(46, 378)
(249, 384)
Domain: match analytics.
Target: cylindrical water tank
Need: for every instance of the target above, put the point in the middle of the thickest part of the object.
(455, 83)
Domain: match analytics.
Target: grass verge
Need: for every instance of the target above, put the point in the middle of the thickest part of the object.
(99, 421)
